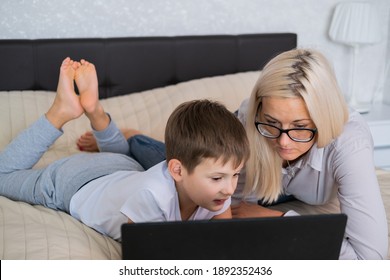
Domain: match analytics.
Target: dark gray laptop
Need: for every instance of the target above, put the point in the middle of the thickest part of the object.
(310, 237)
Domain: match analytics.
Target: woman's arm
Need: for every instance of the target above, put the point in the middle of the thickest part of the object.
(366, 235)
(224, 215)
(251, 210)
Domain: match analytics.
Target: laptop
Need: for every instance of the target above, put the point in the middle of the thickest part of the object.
(308, 237)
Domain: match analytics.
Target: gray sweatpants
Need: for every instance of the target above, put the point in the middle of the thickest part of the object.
(54, 185)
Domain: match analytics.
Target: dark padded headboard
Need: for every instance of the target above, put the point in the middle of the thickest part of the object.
(127, 65)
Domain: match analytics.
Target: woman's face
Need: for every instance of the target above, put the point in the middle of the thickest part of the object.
(286, 113)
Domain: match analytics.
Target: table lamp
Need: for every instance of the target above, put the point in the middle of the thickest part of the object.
(355, 24)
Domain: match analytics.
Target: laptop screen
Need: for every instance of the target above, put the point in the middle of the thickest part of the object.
(310, 237)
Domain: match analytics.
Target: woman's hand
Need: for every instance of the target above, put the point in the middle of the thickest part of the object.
(251, 210)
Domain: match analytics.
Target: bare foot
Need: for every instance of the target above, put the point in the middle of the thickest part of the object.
(66, 105)
(130, 132)
(87, 83)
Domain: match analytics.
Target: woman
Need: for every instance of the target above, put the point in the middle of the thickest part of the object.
(297, 121)
(306, 144)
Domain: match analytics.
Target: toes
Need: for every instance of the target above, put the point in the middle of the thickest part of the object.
(76, 65)
(66, 60)
(84, 62)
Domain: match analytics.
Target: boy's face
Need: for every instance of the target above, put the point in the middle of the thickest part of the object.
(210, 184)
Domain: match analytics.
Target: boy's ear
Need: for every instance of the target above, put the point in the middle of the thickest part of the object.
(175, 169)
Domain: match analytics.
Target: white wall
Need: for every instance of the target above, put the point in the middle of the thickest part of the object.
(310, 19)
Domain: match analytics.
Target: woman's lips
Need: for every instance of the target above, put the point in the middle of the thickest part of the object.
(285, 151)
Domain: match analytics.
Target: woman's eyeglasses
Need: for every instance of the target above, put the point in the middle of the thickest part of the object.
(302, 135)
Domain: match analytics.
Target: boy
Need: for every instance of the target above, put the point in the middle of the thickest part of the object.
(206, 148)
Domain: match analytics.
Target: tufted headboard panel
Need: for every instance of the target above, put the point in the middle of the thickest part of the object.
(127, 65)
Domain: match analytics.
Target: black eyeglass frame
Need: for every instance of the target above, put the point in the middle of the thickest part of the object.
(281, 131)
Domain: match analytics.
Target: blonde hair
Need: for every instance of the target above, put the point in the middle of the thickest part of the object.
(303, 73)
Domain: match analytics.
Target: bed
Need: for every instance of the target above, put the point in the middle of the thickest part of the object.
(141, 81)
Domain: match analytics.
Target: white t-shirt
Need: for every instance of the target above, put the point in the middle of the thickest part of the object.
(148, 196)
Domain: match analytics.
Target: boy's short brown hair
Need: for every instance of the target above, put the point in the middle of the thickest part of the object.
(202, 129)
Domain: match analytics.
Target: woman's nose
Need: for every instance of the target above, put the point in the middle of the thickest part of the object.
(284, 139)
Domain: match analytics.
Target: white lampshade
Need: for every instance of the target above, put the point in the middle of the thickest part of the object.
(355, 23)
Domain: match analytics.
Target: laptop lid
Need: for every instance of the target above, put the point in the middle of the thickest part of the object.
(310, 237)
